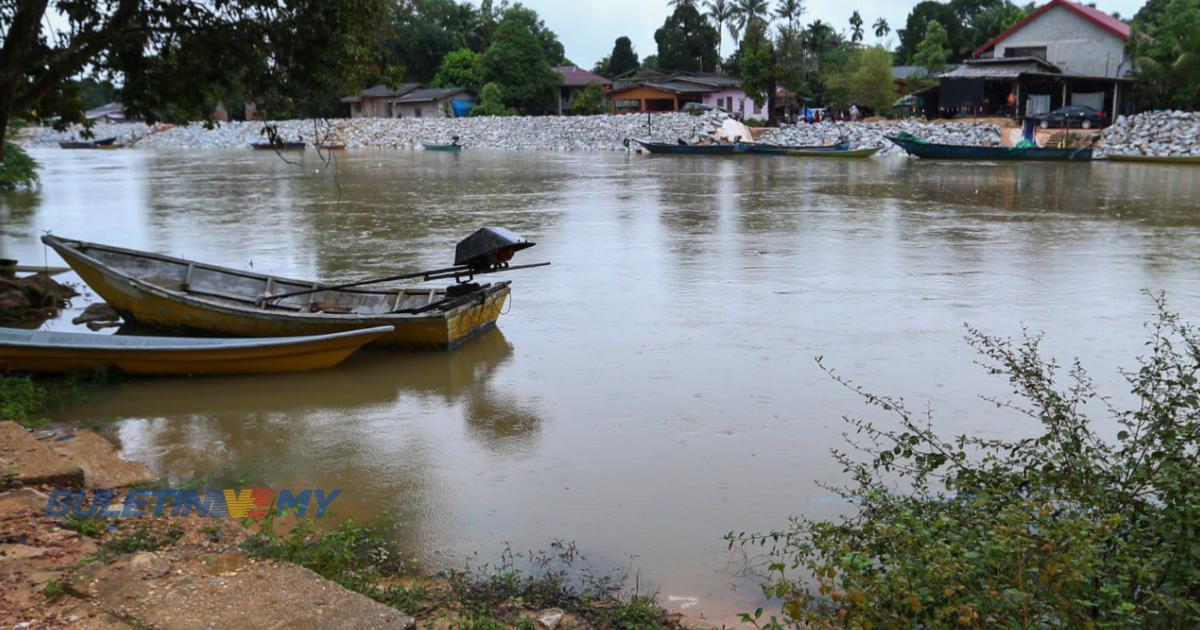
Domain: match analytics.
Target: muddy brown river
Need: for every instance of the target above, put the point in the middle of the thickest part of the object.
(655, 387)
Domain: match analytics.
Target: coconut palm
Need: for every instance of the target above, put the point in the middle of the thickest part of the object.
(789, 11)
(681, 3)
(721, 13)
(856, 27)
(747, 11)
(882, 28)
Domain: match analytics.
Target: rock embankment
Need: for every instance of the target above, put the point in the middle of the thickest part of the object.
(518, 133)
(863, 135)
(1158, 134)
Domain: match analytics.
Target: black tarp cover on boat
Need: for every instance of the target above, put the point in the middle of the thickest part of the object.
(489, 246)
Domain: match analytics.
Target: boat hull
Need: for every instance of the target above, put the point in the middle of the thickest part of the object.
(445, 148)
(664, 148)
(1150, 159)
(780, 149)
(37, 351)
(858, 153)
(286, 146)
(155, 306)
(999, 154)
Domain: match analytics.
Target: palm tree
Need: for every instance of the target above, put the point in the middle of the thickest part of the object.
(747, 11)
(882, 28)
(721, 13)
(856, 27)
(790, 11)
(681, 3)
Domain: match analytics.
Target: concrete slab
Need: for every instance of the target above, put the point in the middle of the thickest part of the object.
(102, 466)
(27, 461)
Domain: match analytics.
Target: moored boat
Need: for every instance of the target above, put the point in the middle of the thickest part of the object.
(1154, 159)
(174, 293)
(448, 148)
(105, 143)
(281, 146)
(844, 153)
(932, 151)
(59, 352)
(783, 149)
(689, 149)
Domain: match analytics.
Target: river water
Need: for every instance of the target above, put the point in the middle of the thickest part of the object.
(655, 387)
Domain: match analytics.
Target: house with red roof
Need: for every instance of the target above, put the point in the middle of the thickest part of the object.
(1062, 54)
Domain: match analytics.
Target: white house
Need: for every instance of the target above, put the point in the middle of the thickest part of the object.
(1078, 39)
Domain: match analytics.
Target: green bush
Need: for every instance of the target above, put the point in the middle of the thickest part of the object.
(1064, 529)
(590, 101)
(18, 170)
(491, 102)
(20, 398)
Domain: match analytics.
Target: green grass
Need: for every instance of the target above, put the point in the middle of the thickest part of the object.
(21, 399)
(91, 526)
(140, 538)
(639, 613)
(53, 590)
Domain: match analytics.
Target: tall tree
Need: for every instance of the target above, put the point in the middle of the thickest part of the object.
(516, 62)
(173, 56)
(914, 28)
(747, 12)
(623, 59)
(856, 27)
(757, 65)
(687, 42)
(790, 11)
(882, 28)
(1167, 50)
(425, 31)
(459, 69)
(934, 51)
(552, 49)
(721, 13)
(868, 82)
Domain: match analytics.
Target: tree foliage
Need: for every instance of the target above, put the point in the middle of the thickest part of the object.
(865, 80)
(1087, 523)
(622, 60)
(589, 101)
(933, 51)
(1167, 50)
(516, 61)
(459, 69)
(687, 42)
(757, 65)
(491, 102)
(969, 24)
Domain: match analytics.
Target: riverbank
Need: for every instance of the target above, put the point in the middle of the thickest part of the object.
(1159, 134)
(187, 572)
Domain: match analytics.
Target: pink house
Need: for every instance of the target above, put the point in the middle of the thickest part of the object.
(727, 93)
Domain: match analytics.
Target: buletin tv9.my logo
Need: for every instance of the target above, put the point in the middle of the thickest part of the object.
(236, 503)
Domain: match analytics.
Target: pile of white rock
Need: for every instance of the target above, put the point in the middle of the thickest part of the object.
(862, 135)
(1158, 134)
(48, 137)
(517, 133)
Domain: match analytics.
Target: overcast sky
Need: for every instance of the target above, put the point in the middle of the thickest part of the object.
(588, 27)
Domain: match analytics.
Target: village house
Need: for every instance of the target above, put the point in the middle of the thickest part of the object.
(575, 80)
(376, 101)
(671, 93)
(1064, 53)
(433, 103)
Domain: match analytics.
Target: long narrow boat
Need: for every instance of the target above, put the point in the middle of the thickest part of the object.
(447, 148)
(174, 293)
(59, 352)
(783, 149)
(1152, 159)
(282, 146)
(690, 149)
(931, 151)
(88, 144)
(857, 153)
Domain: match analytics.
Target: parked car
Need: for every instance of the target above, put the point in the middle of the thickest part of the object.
(697, 109)
(1080, 116)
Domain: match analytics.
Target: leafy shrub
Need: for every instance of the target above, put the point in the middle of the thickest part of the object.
(1065, 529)
(491, 102)
(18, 170)
(589, 101)
(20, 398)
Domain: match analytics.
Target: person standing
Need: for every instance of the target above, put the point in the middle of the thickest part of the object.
(855, 114)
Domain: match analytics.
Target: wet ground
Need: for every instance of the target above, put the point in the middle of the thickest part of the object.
(654, 388)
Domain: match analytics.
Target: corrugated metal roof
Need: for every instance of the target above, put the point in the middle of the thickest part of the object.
(383, 91)
(578, 77)
(1003, 68)
(430, 94)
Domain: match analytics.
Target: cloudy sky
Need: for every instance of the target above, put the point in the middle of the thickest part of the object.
(588, 27)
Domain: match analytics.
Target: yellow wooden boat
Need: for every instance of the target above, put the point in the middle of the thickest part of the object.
(1152, 159)
(58, 352)
(174, 293)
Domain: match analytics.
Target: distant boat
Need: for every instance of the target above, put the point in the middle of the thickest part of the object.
(782, 149)
(282, 146)
(449, 148)
(842, 153)
(58, 352)
(1151, 159)
(89, 144)
(174, 293)
(931, 151)
(332, 146)
(690, 149)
